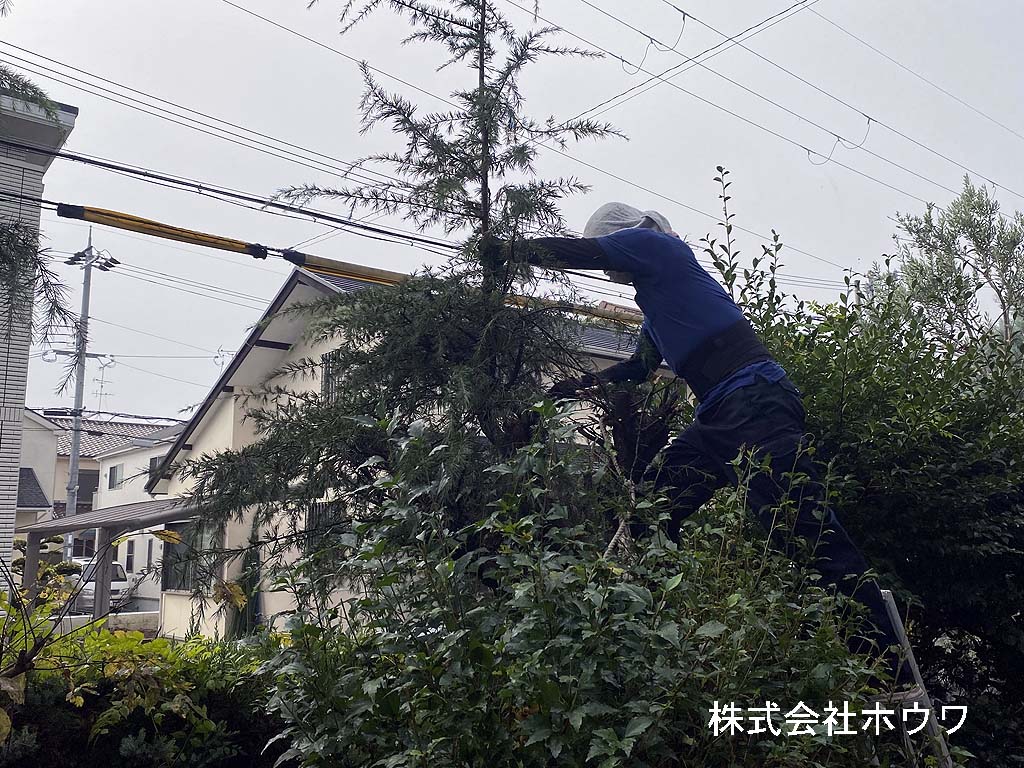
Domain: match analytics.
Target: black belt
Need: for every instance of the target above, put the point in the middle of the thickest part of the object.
(722, 355)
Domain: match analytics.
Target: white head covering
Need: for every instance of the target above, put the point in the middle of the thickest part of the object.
(611, 217)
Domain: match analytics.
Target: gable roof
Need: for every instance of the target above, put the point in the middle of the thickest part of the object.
(160, 436)
(41, 420)
(101, 435)
(30, 492)
(327, 277)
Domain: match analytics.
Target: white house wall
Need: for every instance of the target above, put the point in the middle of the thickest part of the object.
(145, 578)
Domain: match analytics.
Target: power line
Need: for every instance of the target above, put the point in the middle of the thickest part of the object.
(825, 92)
(89, 411)
(289, 144)
(919, 76)
(210, 190)
(730, 112)
(145, 272)
(346, 168)
(338, 52)
(145, 175)
(839, 138)
(185, 290)
(165, 376)
(158, 243)
(95, 319)
(659, 77)
(708, 53)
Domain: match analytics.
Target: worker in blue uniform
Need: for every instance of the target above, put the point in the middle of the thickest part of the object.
(746, 400)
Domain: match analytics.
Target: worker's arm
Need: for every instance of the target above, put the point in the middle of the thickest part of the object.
(620, 251)
(547, 252)
(638, 367)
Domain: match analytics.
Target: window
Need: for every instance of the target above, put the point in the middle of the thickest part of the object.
(182, 565)
(331, 363)
(115, 477)
(116, 572)
(149, 554)
(153, 464)
(129, 557)
(324, 520)
(83, 547)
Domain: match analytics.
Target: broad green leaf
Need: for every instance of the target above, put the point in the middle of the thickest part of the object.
(638, 725)
(711, 629)
(674, 582)
(670, 631)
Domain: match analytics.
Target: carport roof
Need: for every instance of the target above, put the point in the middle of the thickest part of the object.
(129, 517)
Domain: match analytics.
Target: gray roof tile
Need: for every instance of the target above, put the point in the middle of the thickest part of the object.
(30, 492)
(101, 435)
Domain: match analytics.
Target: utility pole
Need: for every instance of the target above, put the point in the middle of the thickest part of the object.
(88, 258)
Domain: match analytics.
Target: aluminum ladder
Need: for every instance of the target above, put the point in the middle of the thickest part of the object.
(935, 734)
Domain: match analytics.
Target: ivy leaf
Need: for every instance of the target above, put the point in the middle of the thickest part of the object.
(538, 735)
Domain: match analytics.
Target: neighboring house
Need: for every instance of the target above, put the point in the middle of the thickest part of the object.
(98, 436)
(219, 422)
(38, 465)
(124, 470)
(33, 505)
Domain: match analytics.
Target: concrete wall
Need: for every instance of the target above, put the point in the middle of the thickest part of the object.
(178, 616)
(146, 622)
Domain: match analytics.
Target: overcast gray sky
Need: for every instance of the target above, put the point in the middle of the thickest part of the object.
(209, 56)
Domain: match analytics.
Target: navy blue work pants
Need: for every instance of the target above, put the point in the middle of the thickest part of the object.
(768, 418)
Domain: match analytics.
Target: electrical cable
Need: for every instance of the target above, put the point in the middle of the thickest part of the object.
(211, 189)
(165, 376)
(919, 76)
(94, 319)
(185, 290)
(839, 138)
(708, 53)
(90, 411)
(736, 115)
(188, 282)
(345, 168)
(825, 92)
(659, 78)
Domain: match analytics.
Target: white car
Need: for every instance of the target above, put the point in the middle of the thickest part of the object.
(86, 593)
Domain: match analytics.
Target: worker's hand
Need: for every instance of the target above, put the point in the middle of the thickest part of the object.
(491, 251)
(570, 387)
